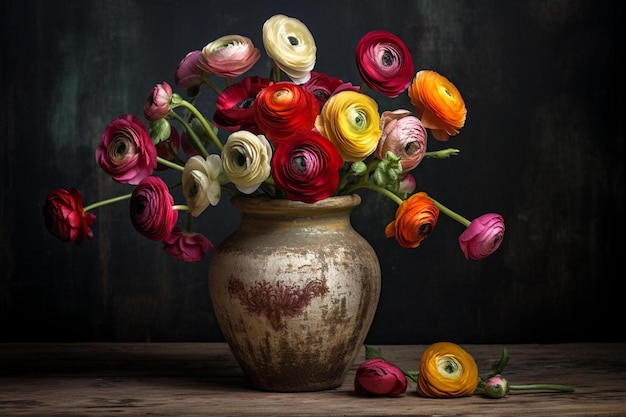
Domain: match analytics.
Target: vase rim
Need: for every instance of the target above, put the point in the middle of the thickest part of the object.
(256, 203)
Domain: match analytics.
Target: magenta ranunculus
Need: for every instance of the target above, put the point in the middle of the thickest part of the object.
(187, 246)
(384, 62)
(151, 209)
(234, 105)
(306, 167)
(483, 236)
(377, 376)
(126, 151)
(64, 216)
(157, 103)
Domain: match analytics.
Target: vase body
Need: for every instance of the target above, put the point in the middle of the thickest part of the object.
(294, 290)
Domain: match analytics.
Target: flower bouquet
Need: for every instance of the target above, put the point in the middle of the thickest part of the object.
(294, 134)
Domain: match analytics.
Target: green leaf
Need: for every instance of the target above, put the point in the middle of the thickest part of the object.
(371, 352)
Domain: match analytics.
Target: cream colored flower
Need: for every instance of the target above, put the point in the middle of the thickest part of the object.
(201, 185)
(246, 160)
(291, 45)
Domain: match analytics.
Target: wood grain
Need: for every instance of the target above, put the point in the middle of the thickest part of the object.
(194, 379)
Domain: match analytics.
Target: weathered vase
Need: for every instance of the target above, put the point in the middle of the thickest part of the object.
(294, 290)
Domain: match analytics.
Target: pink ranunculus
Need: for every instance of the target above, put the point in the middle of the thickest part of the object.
(407, 184)
(126, 151)
(384, 62)
(496, 387)
(157, 103)
(323, 86)
(65, 218)
(229, 56)
(187, 246)
(405, 136)
(377, 376)
(188, 73)
(151, 209)
(483, 236)
(306, 167)
(234, 105)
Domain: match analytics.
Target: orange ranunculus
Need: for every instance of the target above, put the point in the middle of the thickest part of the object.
(438, 104)
(284, 108)
(447, 370)
(416, 217)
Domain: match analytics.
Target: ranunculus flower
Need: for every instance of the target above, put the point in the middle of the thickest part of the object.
(246, 160)
(407, 184)
(229, 56)
(351, 121)
(187, 246)
(64, 216)
(496, 387)
(438, 104)
(234, 105)
(377, 376)
(384, 62)
(157, 103)
(188, 73)
(404, 135)
(447, 370)
(306, 167)
(483, 236)
(126, 151)
(415, 219)
(290, 44)
(201, 185)
(323, 86)
(151, 209)
(284, 108)
(168, 148)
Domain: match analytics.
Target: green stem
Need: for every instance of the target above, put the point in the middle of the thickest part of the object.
(551, 387)
(376, 188)
(445, 210)
(203, 122)
(170, 164)
(190, 131)
(212, 85)
(108, 201)
(443, 153)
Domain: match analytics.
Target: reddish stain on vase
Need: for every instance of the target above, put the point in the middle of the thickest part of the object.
(275, 300)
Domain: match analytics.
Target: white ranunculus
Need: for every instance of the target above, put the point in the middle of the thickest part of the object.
(246, 160)
(201, 185)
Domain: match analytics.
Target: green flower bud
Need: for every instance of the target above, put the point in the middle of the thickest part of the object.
(496, 387)
(160, 130)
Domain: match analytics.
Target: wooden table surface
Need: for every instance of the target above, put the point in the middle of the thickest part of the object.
(203, 379)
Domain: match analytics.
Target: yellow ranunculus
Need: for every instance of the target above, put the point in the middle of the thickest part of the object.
(351, 121)
(447, 370)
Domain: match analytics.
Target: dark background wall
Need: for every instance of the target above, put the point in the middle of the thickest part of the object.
(543, 145)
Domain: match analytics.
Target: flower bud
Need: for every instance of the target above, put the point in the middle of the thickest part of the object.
(496, 387)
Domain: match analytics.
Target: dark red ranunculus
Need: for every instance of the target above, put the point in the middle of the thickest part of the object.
(64, 216)
(284, 108)
(151, 211)
(234, 106)
(377, 376)
(168, 148)
(323, 86)
(306, 167)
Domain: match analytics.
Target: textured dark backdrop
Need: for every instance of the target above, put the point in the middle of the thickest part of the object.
(542, 146)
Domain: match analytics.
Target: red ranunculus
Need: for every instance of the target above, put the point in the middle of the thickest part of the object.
(234, 105)
(151, 211)
(284, 108)
(377, 376)
(384, 63)
(306, 167)
(64, 216)
(126, 151)
(187, 246)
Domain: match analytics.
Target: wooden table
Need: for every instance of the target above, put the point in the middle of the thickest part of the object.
(192, 379)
